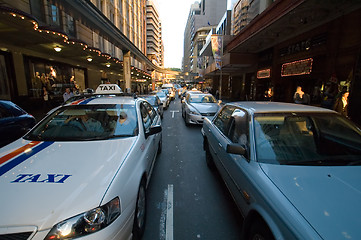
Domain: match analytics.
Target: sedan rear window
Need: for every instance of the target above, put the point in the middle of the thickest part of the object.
(87, 122)
(307, 139)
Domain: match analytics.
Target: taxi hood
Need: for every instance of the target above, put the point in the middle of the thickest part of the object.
(327, 197)
(46, 182)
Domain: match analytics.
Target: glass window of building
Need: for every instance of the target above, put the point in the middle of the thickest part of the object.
(54, 15)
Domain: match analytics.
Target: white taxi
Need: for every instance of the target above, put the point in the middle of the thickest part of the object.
(81, 172)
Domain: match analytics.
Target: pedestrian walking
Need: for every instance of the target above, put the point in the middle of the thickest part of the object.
(268, 95)
(341, 104)
(301, 97)
(46, 103)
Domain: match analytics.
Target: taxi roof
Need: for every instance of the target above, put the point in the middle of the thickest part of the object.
(266, 107)
(104, 99)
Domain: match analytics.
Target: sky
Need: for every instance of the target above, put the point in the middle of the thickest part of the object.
(173, 15)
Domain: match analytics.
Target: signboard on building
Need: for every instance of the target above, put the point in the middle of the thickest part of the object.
(300, 67)
(217, 49)
(265, 73)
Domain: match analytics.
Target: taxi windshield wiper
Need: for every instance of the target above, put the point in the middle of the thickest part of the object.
(122, 135)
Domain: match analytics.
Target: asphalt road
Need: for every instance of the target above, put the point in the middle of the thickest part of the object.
(185, 199)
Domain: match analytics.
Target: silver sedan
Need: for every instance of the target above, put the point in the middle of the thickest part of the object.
(197, 106)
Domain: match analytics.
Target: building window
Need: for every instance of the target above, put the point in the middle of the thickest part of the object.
(70, 26)
(37, 10)
(54, 15)
(120, 6)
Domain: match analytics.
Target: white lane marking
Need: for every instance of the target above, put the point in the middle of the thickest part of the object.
(163, 216)
(169, 219)
(174, 112)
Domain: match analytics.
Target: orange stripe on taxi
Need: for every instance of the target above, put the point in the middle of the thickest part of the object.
(18, 151)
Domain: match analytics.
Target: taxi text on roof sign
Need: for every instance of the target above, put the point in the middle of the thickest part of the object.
(108, 89)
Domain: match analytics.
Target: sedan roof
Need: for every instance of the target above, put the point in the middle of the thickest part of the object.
(266, 107)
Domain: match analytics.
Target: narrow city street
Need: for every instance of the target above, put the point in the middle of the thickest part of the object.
(186, 200)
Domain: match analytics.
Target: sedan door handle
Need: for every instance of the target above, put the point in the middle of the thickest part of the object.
(219, 144)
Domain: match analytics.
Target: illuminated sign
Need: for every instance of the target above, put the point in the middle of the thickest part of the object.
(265, 73)
(300, 67)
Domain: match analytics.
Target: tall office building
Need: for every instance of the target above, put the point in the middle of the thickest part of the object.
(202, 14)
(129, 16)
(154, 35)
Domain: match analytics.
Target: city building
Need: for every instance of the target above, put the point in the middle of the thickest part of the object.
(206, 13)
(78, 44)
(285, 44)
(155, 46)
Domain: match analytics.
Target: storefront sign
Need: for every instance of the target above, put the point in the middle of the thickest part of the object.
(265, 73)
(300, 67)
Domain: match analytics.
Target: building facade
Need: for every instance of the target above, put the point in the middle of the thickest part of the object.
(205, 13)
(155, 46)
(304, 43)
(55, 44)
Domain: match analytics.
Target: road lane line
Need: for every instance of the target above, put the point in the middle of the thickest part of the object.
(169, 219)
(174, 112)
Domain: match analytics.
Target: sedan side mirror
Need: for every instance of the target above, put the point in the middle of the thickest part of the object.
(236, 149)
(153, 130)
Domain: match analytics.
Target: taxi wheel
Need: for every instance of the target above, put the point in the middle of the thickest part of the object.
(260, 231)
(140, 213)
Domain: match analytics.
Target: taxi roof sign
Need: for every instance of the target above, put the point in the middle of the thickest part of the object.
(108, 89)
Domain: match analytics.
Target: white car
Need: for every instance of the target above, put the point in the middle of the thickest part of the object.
(81, 172)
(163, 98)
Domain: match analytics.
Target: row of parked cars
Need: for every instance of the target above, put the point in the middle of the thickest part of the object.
(294, 171)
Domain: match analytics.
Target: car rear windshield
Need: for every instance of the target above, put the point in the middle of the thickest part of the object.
(87, 122)
(307, 139)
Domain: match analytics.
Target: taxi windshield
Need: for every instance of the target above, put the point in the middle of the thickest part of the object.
(87, 122)
(307, 139)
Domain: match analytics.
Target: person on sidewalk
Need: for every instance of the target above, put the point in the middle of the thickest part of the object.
(341, 104)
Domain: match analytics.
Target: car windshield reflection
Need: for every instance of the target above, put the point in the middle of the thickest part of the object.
(312, 139)
(200, 98)
(87, 122)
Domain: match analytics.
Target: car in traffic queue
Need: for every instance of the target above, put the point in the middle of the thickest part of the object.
(154, 100)
(164, 99)
(82, 172)
(197, 105)
(293, 170)
(14, 122)
(171, 90)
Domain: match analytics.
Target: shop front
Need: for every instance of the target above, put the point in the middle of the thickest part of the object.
(52, 77)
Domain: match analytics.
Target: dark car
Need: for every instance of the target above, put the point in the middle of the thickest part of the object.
(14, 122)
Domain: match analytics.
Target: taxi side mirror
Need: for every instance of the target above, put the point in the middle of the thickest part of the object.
(153, 130)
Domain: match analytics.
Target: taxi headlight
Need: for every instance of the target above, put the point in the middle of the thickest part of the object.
(86, 223)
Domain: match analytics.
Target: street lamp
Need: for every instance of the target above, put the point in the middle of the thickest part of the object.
(57, 49)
